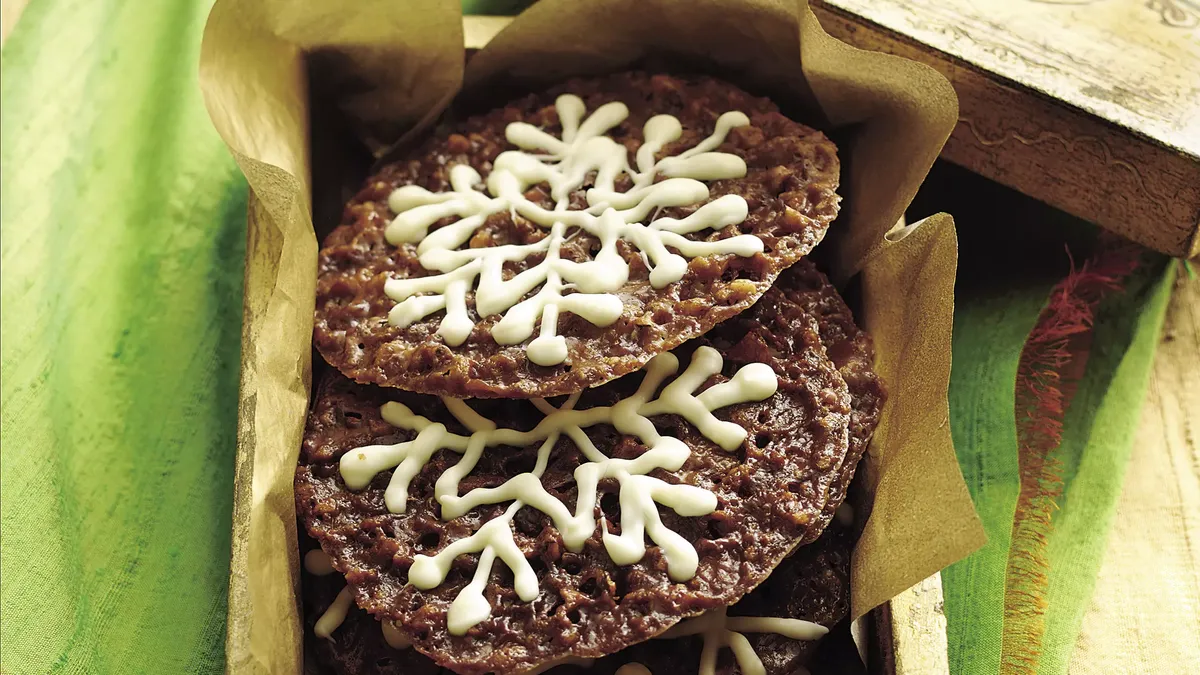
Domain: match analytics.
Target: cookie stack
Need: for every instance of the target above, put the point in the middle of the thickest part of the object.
(594, 405)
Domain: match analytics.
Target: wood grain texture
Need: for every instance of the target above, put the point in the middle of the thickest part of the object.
(1131, 62)
(1145, 614)
(912, 630)
(1140, 180)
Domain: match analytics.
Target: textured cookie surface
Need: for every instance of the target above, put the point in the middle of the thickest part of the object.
(770, 494)
(852, 351)
(791, 173)
(357, 646)
(812, 585)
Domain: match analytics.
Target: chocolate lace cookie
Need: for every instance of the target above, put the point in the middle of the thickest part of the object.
(724, 468)
(852, 351)
(778, 625)
(812, 585)
(352, 642)
(563, 240)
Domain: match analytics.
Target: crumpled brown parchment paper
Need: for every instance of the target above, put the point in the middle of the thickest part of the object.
(307, 93)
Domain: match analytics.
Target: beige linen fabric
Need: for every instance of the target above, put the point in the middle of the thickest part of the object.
(1145, 615)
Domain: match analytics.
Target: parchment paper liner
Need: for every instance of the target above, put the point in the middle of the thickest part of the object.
(379, 68)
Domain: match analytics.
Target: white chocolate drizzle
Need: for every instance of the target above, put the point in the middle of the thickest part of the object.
(611, 216)
(318, 563)
(639, 494)
(720, 630)
(716, 627)
(335, 615)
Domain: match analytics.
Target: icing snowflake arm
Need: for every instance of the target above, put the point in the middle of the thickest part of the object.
(565, 165)
(721, 630)
(640, 493)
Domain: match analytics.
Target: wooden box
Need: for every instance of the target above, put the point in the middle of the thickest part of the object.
(1092, 106)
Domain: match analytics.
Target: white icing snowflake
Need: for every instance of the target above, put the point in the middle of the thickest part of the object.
(639, 492)
(720, 630)
(581, 288)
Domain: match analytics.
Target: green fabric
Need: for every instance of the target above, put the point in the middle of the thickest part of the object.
(997, 302)
(989, 333)
(1097, 440)
(122, 249)
(1011, 253)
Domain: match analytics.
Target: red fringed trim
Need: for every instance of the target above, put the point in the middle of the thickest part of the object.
(1052, 362)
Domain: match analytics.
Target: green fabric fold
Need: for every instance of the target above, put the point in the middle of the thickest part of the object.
(1105, 405)
(122, 251)
(1012, 252)
(989, 333)
(1097, 440)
